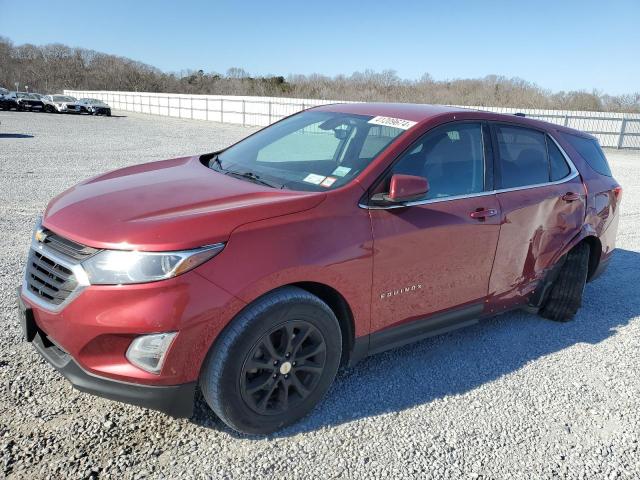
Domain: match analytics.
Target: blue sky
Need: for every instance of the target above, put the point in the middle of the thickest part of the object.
(560, 45)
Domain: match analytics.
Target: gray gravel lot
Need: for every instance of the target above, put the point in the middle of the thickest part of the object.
(514, 397)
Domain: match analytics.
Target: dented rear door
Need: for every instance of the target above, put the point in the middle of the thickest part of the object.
(537, 222)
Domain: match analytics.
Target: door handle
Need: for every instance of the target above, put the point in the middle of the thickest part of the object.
(482, 213)
(571, 197)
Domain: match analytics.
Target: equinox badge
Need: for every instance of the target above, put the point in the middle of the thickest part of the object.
(393, 293)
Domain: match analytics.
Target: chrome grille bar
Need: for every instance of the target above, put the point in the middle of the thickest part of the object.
(53, 274)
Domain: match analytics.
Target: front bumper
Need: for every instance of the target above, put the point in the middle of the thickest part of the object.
(174, 400)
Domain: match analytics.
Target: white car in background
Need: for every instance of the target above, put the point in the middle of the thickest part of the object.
(93, 106)
(60, 104)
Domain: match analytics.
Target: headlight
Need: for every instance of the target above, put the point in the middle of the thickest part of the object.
(117, 267)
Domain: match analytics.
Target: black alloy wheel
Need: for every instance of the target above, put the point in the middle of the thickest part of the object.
(273, 363)
(283, 368)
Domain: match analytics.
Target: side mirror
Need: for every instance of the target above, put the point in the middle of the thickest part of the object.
(404, 188)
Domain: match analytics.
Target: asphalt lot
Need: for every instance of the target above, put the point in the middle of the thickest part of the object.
(513, 397)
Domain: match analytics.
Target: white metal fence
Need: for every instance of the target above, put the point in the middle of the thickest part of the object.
(617, 130)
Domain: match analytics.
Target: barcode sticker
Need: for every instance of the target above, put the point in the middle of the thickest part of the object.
(392, 122)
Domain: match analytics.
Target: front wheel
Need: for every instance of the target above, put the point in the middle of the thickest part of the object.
(273, 363)
(565, 297)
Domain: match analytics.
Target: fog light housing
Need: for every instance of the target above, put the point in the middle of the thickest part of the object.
(148, 351)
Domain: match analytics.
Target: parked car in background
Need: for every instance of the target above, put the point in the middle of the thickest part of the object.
(21, 101)
(224, 271)
(60, 104)
(3, 91)
(94, 106)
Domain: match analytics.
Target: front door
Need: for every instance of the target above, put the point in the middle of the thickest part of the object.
(437, 253)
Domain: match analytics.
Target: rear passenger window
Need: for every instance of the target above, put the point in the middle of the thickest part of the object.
(450, 157)
(590, 150)
(523, 156)
(559, 167)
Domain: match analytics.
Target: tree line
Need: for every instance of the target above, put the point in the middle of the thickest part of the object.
(55, 67)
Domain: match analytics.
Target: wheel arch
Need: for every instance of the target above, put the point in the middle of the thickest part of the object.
(341, 309)
(595, 252)
(586, 235)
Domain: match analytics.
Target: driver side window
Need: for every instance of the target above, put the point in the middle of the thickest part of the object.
(450, 157)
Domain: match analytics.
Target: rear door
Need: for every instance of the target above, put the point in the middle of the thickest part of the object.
(542, 200)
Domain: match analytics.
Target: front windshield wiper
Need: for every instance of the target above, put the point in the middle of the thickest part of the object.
(252, 177)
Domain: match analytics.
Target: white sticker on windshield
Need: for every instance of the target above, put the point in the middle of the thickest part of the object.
(328, 181)
(313, 178)
(392, 122)
(341, 171)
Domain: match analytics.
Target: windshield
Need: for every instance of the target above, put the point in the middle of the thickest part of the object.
(312, 150)
(62, 98)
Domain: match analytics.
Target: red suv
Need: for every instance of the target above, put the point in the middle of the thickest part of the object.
(336, 233)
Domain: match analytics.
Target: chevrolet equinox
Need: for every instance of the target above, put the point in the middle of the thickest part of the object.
(255, 272)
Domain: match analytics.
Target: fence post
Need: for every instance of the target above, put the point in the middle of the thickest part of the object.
(207, 116)
(566, 120)
(222, 110)
(623, 127)
(243, 113)
(269, 112)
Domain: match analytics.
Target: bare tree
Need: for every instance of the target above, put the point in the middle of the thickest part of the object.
(52, 68)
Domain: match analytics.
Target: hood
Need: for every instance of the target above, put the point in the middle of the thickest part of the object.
(168, 205)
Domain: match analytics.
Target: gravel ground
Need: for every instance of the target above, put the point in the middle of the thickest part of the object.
(513, 397)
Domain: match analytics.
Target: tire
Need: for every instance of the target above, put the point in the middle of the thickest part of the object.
(248, 362)
(565, 296)
(48, 109)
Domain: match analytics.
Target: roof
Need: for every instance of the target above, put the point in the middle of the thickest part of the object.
(419, 112)
(415, 112)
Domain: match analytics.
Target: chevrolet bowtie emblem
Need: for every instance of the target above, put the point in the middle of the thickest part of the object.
(40, 236)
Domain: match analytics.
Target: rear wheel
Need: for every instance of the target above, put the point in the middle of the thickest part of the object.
(49, 109)
(565, 297)
(273, 363)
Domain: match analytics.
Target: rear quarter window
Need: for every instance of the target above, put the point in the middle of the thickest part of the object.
(590, 150)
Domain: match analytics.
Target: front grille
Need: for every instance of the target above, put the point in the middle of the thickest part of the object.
(49, 275)
(49, 280)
